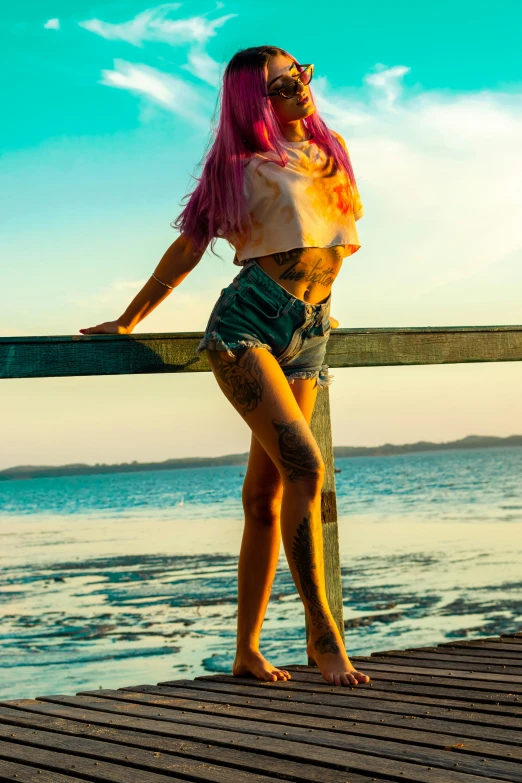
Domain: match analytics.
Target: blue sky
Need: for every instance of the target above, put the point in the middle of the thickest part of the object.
(106, 112)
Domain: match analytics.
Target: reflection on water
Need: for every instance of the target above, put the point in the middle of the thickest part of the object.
(101, 591)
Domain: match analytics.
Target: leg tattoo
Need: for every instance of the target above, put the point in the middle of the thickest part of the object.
(327, 643)
(241, 378)
(297, 458)
(302, 552)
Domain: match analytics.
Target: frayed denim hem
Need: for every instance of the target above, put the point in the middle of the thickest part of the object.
(214, 342)
(324, 378)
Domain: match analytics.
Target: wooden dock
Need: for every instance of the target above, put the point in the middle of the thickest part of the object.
(445, 714)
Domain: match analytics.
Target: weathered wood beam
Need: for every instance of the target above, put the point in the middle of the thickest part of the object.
(45, 357)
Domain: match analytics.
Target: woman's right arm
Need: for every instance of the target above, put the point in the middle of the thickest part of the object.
(175, 265)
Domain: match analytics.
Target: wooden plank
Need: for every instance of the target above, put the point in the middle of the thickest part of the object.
(463, 653)
(507, 644)
(400, 687)
(376, 757)
(321, 427)
(10, 770)
(432, 663)
(503, 647)
(305, 697)
(479, 680)
(236, 759)
(460, 655)
(276, 748)
(63, 763)
(111, 762)
(76, 355)
(341, 718)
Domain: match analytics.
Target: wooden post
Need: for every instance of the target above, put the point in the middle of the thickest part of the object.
(321, 427)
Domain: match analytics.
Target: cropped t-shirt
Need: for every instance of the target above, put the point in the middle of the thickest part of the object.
(308, 203)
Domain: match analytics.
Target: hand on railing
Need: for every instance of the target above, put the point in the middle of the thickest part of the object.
(108, 327)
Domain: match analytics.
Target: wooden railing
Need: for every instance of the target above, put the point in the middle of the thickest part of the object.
(39, 357)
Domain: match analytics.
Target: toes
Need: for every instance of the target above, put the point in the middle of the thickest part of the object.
(345, 680)
(270, 676)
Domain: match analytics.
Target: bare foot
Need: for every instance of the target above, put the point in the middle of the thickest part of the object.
(328, 652)
(252, 662)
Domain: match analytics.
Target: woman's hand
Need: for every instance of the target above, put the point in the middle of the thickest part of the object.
(334, 323)
(108, 327)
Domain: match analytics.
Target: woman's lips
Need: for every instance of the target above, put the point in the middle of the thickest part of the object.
(304, 99)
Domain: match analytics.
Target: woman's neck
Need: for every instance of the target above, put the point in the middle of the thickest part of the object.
(295, 131)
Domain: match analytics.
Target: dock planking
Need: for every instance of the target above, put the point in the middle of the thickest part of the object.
(445, 714)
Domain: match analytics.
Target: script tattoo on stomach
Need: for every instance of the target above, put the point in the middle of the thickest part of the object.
(316, 270)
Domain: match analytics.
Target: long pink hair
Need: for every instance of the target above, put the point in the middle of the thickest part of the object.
(247, 124)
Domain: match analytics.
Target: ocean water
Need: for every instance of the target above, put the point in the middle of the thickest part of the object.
(121, 579)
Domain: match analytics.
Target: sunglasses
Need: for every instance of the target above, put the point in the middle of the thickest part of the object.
(289, 86)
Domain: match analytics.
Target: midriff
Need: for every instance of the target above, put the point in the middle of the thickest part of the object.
(307, 273)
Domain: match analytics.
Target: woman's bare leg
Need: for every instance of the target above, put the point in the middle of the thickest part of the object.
(260, 546)
(255, 384)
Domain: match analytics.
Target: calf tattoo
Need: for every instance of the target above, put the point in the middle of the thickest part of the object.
(297, 457)
(241, 379)
(303, 555)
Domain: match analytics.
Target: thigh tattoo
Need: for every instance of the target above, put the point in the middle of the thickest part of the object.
(241, 379)
(297, 458)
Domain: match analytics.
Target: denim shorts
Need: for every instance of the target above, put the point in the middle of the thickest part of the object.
(254, 311)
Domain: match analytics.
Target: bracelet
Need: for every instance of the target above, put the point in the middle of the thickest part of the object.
(159, 281)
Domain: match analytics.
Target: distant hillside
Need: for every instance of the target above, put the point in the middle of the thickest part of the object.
(388, 449)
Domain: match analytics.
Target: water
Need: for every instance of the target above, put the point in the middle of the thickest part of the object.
(121, 579)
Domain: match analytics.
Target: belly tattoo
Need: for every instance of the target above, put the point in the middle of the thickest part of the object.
(317, 274)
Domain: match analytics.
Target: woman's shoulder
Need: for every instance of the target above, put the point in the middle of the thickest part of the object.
(339, 138)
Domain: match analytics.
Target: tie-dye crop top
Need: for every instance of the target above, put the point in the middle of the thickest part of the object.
(308, 203)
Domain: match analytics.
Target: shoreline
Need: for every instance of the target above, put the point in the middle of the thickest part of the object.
(470, 442)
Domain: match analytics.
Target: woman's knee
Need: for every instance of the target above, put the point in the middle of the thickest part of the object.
(306, 482)
(262, 504)
(300, 461)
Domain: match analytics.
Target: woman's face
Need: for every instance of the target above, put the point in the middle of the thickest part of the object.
(293, 109)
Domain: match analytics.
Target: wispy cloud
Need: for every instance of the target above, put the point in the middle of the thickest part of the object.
(387, 83)
(153, 25)
(167, 91)
(203, 66)
(52, 24)
(440, 173)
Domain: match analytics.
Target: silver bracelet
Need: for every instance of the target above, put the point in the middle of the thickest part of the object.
(159, 281)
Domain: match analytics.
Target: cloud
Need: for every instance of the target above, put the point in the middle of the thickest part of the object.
(204, 67)
(387, 82)
(153, 25)
(52, 24)
(439, 172)
(166, 91)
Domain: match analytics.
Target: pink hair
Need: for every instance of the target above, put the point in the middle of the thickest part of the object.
(247, 124)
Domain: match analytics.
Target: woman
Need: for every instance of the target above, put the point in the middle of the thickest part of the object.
(279, 186)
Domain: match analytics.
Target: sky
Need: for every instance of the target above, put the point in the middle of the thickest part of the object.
(106, 113)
